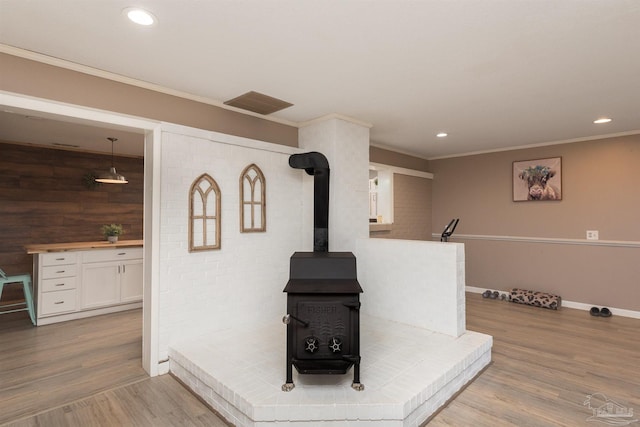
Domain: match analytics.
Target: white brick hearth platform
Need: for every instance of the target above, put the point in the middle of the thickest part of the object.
(219, 312)
(408, 373)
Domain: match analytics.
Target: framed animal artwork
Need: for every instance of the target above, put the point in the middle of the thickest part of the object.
(536, 180)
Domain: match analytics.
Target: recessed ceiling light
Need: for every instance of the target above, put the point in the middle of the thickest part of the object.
(602, 120)
(140, 16)
(442, 134)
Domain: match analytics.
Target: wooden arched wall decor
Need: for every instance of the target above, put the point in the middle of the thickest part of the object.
(204, 214)
(253, 204)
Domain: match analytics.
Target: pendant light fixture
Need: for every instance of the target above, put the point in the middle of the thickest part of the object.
(112, 177)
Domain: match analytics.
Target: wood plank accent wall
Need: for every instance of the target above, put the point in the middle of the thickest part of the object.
(43, 199)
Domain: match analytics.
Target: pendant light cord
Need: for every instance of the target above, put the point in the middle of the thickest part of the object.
(112, 141)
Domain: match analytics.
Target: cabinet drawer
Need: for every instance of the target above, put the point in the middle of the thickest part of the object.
(58, 302)
(59, 258)
(57, 271)
(117, 254)
(51, 285)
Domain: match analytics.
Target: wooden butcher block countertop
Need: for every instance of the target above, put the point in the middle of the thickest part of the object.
(79, 246)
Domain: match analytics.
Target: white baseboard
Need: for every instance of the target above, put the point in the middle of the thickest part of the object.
(163, 367)
(569, 304)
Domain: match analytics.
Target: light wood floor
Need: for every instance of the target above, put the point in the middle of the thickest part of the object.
(87, 372)
(545, 364)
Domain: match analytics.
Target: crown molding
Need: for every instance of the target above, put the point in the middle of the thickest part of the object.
(542, 144)
(96, 72)
(335, 116)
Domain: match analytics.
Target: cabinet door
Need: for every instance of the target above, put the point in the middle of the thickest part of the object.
(100, 284)
(131, 281)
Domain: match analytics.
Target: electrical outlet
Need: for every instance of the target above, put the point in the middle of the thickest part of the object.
(592, 234)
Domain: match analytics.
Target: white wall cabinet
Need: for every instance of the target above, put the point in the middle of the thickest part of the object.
(77, 284)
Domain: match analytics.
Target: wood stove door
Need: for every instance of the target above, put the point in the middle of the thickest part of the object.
(327, 336)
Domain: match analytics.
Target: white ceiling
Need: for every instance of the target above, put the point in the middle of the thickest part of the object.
(492, 73)
(69, 134)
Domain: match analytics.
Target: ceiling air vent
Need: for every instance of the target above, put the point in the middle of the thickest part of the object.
(258, 103)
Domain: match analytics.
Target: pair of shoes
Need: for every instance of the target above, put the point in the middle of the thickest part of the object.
(492, 295)
(595, 311)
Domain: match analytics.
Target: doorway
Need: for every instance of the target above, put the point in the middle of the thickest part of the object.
(39, 108)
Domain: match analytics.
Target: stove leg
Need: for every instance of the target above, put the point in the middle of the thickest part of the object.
(356, 385)
(289, 385)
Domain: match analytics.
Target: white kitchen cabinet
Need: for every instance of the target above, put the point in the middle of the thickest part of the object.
(101, 284)
(131, 281)
(58, 284)
(83, 283)
(114, 281)
(58, 302)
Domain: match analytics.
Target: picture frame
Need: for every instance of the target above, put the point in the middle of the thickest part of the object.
(537, 180)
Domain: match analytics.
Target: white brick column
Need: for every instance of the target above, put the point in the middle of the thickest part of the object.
(345, 144)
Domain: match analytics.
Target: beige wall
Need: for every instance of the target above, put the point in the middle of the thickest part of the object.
(392, 158)
(600, 192)
(40, 80)
(411, 197)
(411, 209)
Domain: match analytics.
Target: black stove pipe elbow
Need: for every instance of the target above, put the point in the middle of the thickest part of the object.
(316, 164)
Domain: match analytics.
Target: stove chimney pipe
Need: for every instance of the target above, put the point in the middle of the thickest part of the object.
(316, 164)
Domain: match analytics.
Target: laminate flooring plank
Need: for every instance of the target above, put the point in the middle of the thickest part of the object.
(153, 402)
(48, 366)
(545, 364)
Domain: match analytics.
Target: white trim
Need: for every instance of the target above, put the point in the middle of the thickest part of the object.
(150, 306)
(15, 102)
(151, 263)
(541, 144)
(335, 116)
(57, 62)
(567, 304)
(616, 311)
(546, 240)
(88, 313)
(401, 171)
(163, 367)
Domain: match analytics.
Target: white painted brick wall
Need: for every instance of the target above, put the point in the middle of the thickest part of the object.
(346, 147)
(414, 282)
(242, 282)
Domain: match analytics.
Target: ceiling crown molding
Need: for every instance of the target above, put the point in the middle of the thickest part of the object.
(62, 63)
(337, 116)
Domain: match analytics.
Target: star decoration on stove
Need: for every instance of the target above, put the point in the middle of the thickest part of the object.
(335, 345)
(311, 344)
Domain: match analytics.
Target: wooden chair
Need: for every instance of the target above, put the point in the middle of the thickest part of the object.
(25, 279)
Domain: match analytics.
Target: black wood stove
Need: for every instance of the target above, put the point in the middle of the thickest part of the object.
(323, 294)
